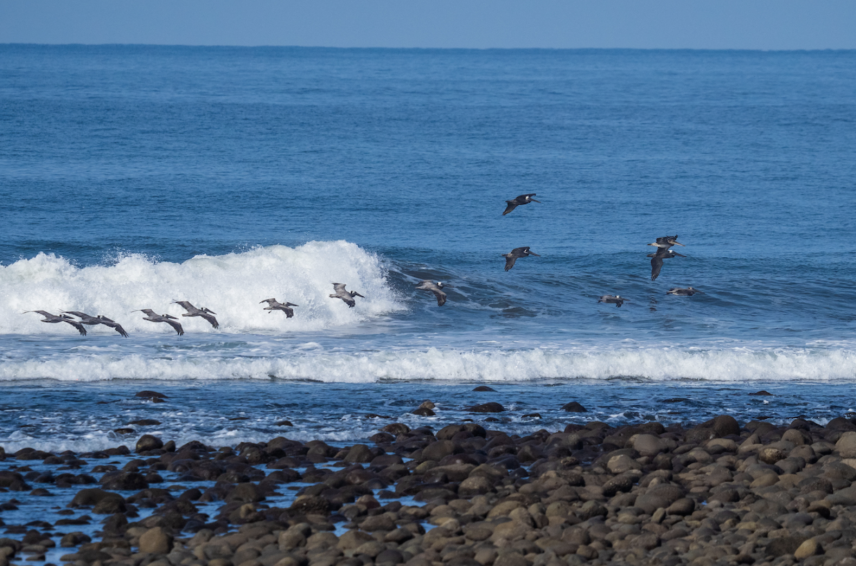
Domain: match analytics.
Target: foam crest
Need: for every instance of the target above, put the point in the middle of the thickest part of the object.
(652, 363)
(231, 285)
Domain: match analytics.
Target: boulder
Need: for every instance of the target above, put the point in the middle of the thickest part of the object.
(148, 442)
(487, 408)
(574, 407)
(648, 445)
(662, 495)
(155, 541)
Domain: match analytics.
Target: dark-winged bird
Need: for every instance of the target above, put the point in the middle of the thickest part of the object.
(93, 320)
(167, 318)
(688, 292)
(519, 201)
(617, 300)
(347, 296)
(203, 312)
(436, 288)
(657, 260)
(54, 319)
(516, 253)
(274, 305)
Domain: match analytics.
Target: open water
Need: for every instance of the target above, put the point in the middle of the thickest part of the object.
(134, 176)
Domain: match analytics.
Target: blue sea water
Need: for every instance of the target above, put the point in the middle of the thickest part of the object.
(134, 176)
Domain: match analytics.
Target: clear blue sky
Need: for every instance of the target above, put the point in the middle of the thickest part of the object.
(711, 24)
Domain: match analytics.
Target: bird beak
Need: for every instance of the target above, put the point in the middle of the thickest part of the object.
(680, 244)
(677, 254)
(533, 200)
(533, 253)
(357, 294)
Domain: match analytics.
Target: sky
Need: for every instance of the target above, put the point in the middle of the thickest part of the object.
(651, 24)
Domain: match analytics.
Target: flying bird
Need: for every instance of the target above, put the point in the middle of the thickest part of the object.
(54, 319)
(516, 253)
(519, 201)
(617, 300)
(667, 242)
(274, 305)
(347, 296)
(203, 312)
(688, 292)
(436, 288)
(167, 318)
(95, 320)
(657, 260)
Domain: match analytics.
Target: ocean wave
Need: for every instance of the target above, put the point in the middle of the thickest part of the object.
(452, 365)
(231, 285)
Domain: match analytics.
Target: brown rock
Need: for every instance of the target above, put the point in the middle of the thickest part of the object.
(155, 541)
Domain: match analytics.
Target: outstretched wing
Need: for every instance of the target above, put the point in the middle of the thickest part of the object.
(77, 325)
(509, 261)
(339, 287)
(185, 305)
(268, 301)
(289, 313)
(211, 319)
(511, 206)
(656, 266)
(177, 326)
(441, 297)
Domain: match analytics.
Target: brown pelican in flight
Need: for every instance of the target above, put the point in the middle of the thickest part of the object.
(167, 318)
(688, 292)
(53, 319)
(657, 260)
(617, 300)
(519, 201)
(436, 288)
(203, 312)
(347, 296)
(516, 253)
(274, 305)
(667, 242)
(94, 320)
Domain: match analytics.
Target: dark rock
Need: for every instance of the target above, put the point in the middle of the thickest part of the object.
(246, 493)
(359, 454)
(74, 539)
(155, 541)
(785, 545)
(310, 505)
(574, 407)
(438, 450)
(484, 388)
(124, 431)
(487, 408)
(284, 423)
(660, 496)
(124, 481)
(424, 412)
(762, 393)
(151, 395)
(148, 442)
(145, 422)
(396, 428)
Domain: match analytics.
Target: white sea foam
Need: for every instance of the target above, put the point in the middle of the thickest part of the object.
(231, 285)
(652, 363)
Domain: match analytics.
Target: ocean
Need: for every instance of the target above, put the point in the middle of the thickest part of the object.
(134, 176)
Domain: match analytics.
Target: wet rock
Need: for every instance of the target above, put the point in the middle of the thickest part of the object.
(762, 393)
(486, 408)
(846, 445)
(283, 423)
(148, 442)
(74, 539)
(592, 509)
(124, 431)
(145, 422)
(659, 496)
(359, 453)
(124, 481)
(438, 450)
(94, 497)
(155, 541)
(574, 407)
(648, 445)
(425, 409)
(150, 395)
(484, 388)
(310, 505)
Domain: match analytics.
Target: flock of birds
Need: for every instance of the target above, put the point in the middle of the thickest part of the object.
(663, 245)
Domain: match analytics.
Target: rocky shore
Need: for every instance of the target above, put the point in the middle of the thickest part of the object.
(464, 495)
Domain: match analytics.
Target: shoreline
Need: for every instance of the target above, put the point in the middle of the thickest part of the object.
(718, 492)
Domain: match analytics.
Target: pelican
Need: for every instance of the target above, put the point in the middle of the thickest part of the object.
(167, 318)
(516, 253)
(53, 319)
(347, 296)
(436, 288)
(667, 242)
(618, 300)
(95, 320)
(274, 305)
(657, 261)
(519, 201)
(203, 312)
(688, 292)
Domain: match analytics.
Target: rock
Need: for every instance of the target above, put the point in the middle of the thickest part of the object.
(771, 455)
(377, 523)
(284, 423)
(622, 463)
(511, 559)
(659, 496)
(359, 454)
(151, 395)
(124, 431)
(310, 505)
(648, 445)
(592, 509)
(155, 541)
(424, 412)
(484, 388)
(846, 445)
(762, 393)
(246, 493)
(353, 539)
(145, 422)
(682, 507)
(124, 481)
(438, 450)
(725, 425)
(808, 548)
(574, 407)
(487, 408)
(93, 496)
(396, 428)
(785, 545)
(290, 539)
(389, 556)
(148, 442)
(74, 539)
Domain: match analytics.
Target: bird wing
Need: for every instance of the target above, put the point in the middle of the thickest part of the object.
(77, 325)
(441, 297)
(176, 326)
(520, 251)
(656, 266)
(528, 195)
(268, 301)
(289, 313)
(349, 301)
(509, 261)
(168, 316)
(511, 206)
(119, 329)
(210, 318)
(339, 287)
(185, 305)
(78, 314)
(355, 294)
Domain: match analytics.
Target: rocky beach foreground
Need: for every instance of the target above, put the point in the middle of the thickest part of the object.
(464, 495)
